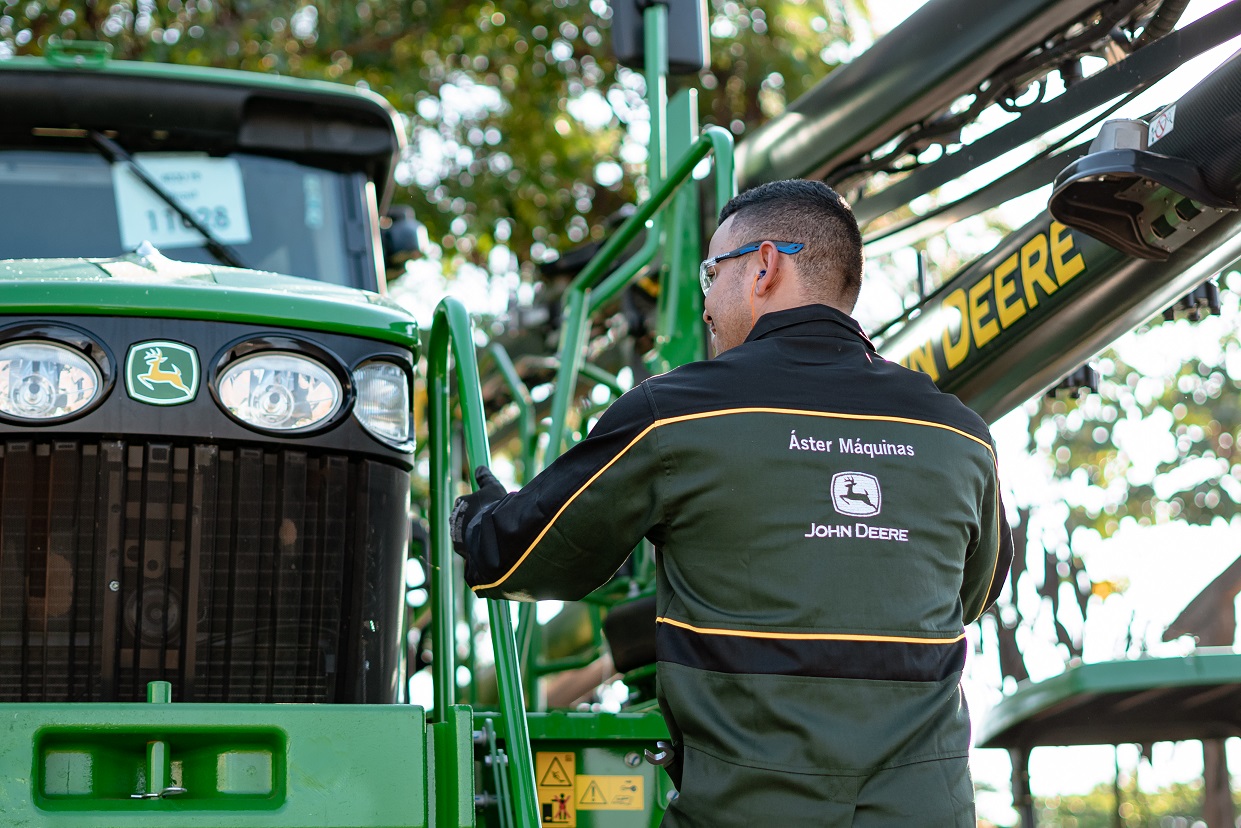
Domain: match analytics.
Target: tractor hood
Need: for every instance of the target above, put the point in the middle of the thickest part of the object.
(150, 284)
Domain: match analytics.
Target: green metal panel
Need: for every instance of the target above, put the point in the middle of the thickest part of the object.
(157, 286)
(283, 766)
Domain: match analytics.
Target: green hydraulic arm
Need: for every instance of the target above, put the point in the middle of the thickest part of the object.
(451, 328)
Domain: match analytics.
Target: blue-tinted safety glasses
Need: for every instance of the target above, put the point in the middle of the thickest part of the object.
(706, 270)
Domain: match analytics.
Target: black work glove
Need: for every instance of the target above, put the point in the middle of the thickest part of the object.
(463, 511)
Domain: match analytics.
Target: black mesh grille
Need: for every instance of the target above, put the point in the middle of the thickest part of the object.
(223, 570)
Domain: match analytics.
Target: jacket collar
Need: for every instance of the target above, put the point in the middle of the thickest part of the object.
(809, 320)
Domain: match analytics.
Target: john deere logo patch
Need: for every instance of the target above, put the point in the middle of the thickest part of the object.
(161, 373)
(856, 494)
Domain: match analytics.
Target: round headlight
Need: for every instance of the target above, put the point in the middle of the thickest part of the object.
(277, 391)
(44, 381)
(382, 405)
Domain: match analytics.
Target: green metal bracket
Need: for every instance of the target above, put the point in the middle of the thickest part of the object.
(450, 752)
(238, 765)
(452, 328)
(159, 783)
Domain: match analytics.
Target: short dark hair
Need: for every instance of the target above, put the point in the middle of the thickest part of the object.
(798, 210)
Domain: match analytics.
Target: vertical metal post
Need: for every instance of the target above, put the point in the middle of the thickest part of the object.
(159, 761)
(655, 30)
(679, 331)
(1023, 802)
(574, 326)
(159, 756)
(443, 596)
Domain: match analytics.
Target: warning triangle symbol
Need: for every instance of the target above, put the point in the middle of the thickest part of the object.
(555, 776)
(594, 795)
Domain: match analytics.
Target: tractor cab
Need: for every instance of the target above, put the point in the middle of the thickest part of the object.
(222, 168)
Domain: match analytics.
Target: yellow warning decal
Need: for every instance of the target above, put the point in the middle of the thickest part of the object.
(608, 793)
(554, 774)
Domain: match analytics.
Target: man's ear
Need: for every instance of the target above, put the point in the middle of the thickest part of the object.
(770, 273)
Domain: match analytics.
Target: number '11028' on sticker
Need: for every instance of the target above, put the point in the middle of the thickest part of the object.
(210, 189)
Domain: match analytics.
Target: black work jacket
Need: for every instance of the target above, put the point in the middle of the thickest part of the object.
(827, 522)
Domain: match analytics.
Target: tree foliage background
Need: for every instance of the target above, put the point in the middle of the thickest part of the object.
(524, 133)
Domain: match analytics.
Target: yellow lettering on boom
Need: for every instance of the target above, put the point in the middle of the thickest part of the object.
(1005, 289)
(1034, 269)
(956, 352)
(923, 359)
(1065, 265)
(983, 332)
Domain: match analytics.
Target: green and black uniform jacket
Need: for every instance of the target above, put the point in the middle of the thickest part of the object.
(827, 522)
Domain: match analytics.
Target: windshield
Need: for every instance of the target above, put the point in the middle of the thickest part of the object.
(274, 214)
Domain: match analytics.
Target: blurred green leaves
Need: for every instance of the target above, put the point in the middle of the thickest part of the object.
(1158, 443)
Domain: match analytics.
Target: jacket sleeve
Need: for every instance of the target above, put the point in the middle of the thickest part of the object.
(568, 531)
(988, 559)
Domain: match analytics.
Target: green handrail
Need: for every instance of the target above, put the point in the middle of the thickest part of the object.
(580, 300)
(451, 327)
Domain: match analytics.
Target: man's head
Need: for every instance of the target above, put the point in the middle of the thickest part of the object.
(826, 270)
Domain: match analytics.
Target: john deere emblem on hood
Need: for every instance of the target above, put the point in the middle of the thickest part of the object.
(161, 372)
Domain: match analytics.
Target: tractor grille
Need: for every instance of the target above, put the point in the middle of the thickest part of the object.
(226, 571)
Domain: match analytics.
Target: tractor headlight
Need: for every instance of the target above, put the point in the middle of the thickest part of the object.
(382, 403)
(279, 391)
(44, 381)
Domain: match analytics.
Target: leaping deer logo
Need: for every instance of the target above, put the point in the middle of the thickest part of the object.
(861, 497)
(856, 494)
(155, 359)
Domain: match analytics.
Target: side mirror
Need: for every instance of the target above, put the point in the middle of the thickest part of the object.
(689, 49)
(403, 237)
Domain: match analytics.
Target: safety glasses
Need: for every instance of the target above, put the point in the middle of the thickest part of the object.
(706, 270)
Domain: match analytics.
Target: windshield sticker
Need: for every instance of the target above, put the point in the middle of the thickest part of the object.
(209, 188)
(161, 372)
(312, 190)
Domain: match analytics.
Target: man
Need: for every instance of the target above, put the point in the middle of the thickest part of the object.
(827, 522)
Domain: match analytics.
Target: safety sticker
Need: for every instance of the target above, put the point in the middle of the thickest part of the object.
(608, 793)
(1163, 123)
(554, 773)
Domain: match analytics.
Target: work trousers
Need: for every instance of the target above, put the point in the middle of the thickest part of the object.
(718, 794)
